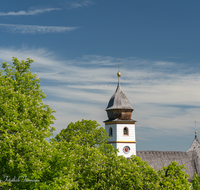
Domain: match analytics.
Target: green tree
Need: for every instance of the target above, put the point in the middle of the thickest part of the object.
(94, 165)
(196, 182)
(58, 170)
(85, 132)
(174, 177)
(25, 122)
(96, 170)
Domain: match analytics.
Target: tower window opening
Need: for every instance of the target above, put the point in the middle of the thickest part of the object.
(110, 132)
(126, 131)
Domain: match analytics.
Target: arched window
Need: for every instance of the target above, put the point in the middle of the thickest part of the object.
(110, 132)
(126, 131)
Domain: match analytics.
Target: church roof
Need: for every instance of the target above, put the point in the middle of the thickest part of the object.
(159, 159)
(195, 144)
(119, 100)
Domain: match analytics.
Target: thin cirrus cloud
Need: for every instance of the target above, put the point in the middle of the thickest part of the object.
(165, 103)
(32, 29)
(82, 4)
(29, 12)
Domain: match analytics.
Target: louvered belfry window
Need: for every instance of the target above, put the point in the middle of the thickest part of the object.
(110, 132)
(125, 131)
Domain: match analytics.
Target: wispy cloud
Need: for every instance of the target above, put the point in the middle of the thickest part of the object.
(14, 28)
(164, 63)
(163, 101)
(29, 12)
(85, 3)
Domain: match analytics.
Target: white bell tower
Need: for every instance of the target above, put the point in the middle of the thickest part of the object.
(119, 126)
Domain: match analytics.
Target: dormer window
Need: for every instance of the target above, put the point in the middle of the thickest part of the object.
(110, 132)
(126, 131)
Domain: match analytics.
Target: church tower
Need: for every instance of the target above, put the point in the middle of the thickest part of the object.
(119, 126)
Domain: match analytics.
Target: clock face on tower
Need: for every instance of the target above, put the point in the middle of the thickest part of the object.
(126, 149)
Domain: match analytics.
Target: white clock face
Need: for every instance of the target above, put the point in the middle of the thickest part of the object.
(126, 149)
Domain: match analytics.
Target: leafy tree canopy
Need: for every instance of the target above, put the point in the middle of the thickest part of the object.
(196, 181)
(85, 132)
(94, 168)
(174, 177)
(24, 123)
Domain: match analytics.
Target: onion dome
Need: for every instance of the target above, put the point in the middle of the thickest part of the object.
(119, 106)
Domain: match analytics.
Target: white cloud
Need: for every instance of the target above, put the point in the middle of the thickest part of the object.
(85, 3)
(14, 28)
(163, 101)
(164, 63)
(29, 12)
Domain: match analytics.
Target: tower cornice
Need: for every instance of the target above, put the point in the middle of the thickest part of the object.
(119, 121)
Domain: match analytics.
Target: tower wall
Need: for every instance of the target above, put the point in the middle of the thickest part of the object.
(112, 138)
(120, 147)
(119, 140)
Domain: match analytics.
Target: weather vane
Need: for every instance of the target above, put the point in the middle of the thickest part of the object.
(118, 63)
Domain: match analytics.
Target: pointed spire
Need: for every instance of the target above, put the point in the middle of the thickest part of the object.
(119, 106)
(195, 144)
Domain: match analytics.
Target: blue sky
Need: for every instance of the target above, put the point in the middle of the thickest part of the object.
(75, 45)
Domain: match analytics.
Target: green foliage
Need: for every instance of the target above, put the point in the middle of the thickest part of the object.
(174, 177)
(58, 170)
(142, 175)
(95, 167)
(99, 167)
(85, 132)
(196, 182)
(24, 123)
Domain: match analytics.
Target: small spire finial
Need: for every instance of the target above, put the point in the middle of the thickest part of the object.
(195, 130)
(118, 74)
(118, 63)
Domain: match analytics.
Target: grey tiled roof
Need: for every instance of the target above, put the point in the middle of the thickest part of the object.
(119, 100)
(159, 159)
(195, 144)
